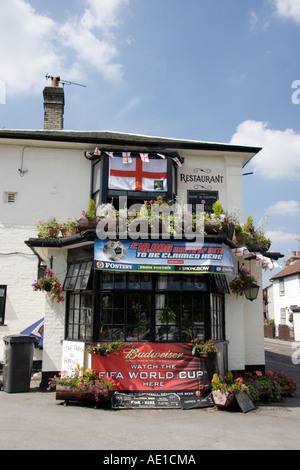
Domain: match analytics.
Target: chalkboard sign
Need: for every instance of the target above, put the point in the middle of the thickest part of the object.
(244, 402)
(145, 400)
(207, 198)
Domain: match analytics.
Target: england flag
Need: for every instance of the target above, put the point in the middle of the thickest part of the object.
(138, 175)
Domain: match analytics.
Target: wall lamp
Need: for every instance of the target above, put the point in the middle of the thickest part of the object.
(252, 292)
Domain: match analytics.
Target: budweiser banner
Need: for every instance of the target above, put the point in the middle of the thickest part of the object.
(158, 368)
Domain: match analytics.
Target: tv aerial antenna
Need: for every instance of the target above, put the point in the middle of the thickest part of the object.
(298, 240)
(64, 82)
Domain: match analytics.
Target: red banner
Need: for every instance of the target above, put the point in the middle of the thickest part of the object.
(155, 367)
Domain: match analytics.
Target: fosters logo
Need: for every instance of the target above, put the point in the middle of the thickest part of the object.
(107, 265)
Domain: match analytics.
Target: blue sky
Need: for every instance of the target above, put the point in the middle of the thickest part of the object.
(219, 71)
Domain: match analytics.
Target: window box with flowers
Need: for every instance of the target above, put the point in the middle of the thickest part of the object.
(248, 235)
(48, 229)
(82, 385)
(49, 283)
(69, 228)
(272, 386)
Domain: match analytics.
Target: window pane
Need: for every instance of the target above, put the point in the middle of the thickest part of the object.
(1, 310)
(133, 281)
(86, 276)
(107, 280)
(200, 283)
(162, 282)
(173, 282)
(120, 281)
(106, 301)
(146, 282)
(188, 283)
(78, 275)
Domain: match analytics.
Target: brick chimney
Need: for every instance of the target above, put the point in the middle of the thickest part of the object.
(295, 257)
(54, 102)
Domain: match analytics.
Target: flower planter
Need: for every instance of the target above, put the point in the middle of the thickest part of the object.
(227, 230)
(269, 331)
(69, 233)
(222, 399)
(286, 390)
(88, 224)
(212, 227)
(67, 394)
(239, 238)
(52, 232)
(139, 225)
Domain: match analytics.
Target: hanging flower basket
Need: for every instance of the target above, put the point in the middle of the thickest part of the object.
(49, 283)
(242, 282)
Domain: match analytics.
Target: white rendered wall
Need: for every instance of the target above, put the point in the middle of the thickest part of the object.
(291, 297)
(57, 184)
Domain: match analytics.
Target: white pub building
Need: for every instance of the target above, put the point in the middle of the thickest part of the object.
(117, 288)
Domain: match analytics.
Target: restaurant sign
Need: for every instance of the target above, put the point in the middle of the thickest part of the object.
(156, 375)
(202, 179)
(162, 256)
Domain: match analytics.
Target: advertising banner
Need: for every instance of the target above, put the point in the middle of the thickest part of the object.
(157, 370)
(162, 256)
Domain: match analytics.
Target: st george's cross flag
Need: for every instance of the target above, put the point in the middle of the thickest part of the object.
(138, 175)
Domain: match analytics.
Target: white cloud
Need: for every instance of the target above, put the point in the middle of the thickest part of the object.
(102, 13)
(253, 20)
(284, 208)
(33, 44)
(132, 103)
(26, 51)
(288, 9)
(279, 157)
(281, 237)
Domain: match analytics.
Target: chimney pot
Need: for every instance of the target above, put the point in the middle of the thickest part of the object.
(55, 81)
(294, 253)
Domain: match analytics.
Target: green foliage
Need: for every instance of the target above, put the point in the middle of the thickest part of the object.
(203, 349)
(86, 381)
(91, 210)
(105, 349)
(217, 208)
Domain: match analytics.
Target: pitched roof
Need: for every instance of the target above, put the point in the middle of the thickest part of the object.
(125, 139)
(293, 268)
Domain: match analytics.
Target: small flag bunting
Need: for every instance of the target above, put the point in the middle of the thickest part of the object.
(144, 157)
(126, 157)
(177, 161)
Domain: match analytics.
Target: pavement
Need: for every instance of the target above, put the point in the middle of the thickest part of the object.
(34, 420)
